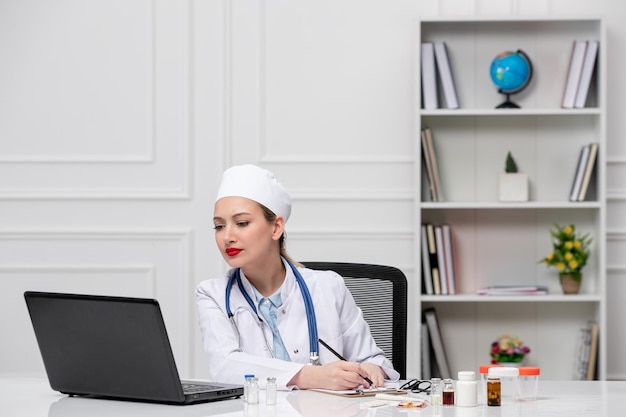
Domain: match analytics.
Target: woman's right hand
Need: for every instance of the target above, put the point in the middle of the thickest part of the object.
(338, 375)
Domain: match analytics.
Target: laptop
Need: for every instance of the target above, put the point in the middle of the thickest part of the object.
(112, 347)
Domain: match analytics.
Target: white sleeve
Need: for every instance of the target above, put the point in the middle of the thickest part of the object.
(341, 323)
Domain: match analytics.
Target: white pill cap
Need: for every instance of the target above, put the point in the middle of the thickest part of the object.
(504, 371)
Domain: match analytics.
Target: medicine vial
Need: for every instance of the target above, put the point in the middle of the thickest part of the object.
(466, 394)
(436, 391)
(493, 391)
(270, 391)
(253, 390)
(245, 386)
(448, 392)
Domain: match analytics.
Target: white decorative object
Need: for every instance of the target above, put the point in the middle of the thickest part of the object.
(513, 187)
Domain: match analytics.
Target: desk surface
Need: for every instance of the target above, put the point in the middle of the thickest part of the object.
(32, 397)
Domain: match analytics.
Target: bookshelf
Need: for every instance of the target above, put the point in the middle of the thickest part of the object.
(501, 243)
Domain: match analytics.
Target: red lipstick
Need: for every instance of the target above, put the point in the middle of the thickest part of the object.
(232, 251)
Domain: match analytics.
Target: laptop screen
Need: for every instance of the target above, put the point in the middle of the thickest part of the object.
(105, 346)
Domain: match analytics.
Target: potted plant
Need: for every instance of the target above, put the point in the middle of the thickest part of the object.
(512, 185)
(569, 255)
(508, 350)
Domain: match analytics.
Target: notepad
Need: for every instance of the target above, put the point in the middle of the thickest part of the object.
(361, 392)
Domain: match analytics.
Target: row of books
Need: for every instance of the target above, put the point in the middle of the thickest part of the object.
(431, 166)
(436, 71)
(586, 352)
(581, 67)
(433, 351)
(513, 290)
(438, 260)
(434, 358)
(580, 185)
(437, 75)
(584, 170)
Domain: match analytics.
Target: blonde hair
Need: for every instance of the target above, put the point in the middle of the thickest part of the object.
(270, 216)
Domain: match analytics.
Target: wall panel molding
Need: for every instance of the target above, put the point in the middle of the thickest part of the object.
(335, 159)
(615, 235)
(338, 195)
(349, 234)
(146, 159)
(139, 262)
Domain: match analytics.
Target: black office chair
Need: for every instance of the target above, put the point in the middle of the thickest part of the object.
(381, 293)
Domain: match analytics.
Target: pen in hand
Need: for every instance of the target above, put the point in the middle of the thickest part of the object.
(369, 381)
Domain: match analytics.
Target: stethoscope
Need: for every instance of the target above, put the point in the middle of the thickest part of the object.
(308, 305)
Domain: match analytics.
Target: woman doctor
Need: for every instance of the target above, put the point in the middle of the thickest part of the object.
(264, 317)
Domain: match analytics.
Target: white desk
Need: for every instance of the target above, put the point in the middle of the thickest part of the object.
(32, 397)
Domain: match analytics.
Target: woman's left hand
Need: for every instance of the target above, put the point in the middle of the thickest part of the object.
(375, 374)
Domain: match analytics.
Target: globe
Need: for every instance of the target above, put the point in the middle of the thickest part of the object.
(511, 72)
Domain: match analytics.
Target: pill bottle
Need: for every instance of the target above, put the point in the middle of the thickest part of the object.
(528, 382)
(245, 386)
(270, 391)
(483, 371)
(509, 380)
(447, 395)
(436, 388)
(466, 394)
(494, 391)
(253, 390)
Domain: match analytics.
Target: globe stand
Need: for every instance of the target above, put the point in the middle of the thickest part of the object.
(508, 104)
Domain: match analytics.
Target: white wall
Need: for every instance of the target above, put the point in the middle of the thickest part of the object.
(117, 118)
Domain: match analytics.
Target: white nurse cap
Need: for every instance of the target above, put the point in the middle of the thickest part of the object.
(257, 184)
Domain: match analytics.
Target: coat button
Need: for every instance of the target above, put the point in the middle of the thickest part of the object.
(283, 311)
(296, 351)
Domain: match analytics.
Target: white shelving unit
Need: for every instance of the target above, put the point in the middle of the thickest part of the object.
(502, 243)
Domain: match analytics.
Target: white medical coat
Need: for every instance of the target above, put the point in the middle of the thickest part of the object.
(340, 323)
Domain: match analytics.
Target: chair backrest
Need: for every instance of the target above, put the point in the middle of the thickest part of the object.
(381, 294)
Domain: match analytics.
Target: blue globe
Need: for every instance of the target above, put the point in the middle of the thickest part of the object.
(511, 72)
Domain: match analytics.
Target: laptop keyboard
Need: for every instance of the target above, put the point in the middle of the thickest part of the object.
(190, 387)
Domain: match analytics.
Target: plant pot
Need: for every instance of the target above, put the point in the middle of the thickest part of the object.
(569, 284)
(513, 187)
(511, 364)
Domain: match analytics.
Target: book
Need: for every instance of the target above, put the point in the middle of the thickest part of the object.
(425, 352)
(589, 64)
(433, 160)
(592, 357)
(363, 392)
(427, 277)
(580, 173)
(513, 290)
(441, 260)
(434, 263)
(439, 349)
(445, 75)
(577, 58)
(428, 166)
(580, 358)
(450, 257)
(591, 161)
(429, 76)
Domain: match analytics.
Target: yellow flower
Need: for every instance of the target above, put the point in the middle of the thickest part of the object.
(573, 264)
(568, 245)
(551, 256)
(568, 256)
(577, 244)
(568, 230)
(561, 266)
